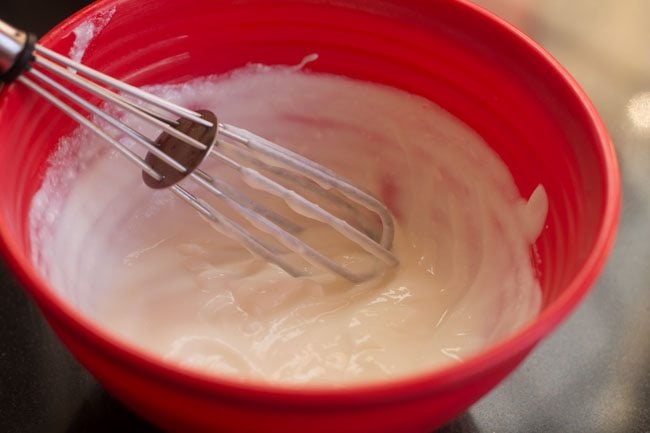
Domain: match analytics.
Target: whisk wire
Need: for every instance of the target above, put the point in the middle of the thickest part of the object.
(321, 175)
(235, 231)
(309, 209)
(118, 100)
(138, 137)
(79, 118)
(122, 86)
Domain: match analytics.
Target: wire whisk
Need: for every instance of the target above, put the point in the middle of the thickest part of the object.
(186, 139)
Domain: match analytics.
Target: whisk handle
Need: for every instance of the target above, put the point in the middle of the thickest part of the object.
(16, 48)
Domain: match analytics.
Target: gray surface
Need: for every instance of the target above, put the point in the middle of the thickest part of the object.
(592, 375)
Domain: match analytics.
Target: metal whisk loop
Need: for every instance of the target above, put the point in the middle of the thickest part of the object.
(187, 138)
(321, 175)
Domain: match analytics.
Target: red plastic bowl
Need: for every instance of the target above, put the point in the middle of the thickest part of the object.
(466, 60)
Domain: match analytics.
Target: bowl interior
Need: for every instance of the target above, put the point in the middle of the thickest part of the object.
(502, 87)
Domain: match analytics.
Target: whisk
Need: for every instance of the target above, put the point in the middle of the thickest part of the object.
(186, 138)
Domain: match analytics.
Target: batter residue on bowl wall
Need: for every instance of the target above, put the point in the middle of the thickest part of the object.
(148, 269)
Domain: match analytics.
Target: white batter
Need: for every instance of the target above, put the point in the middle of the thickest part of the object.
(148, 268)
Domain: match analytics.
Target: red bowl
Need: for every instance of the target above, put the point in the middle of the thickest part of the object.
(472, 64)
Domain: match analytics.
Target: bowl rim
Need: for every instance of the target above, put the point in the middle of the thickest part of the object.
(435, 381)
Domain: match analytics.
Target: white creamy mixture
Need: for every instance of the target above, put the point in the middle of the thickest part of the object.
(150, 270)
(85, 32)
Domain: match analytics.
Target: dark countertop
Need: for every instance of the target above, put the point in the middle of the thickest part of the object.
(592, 375)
